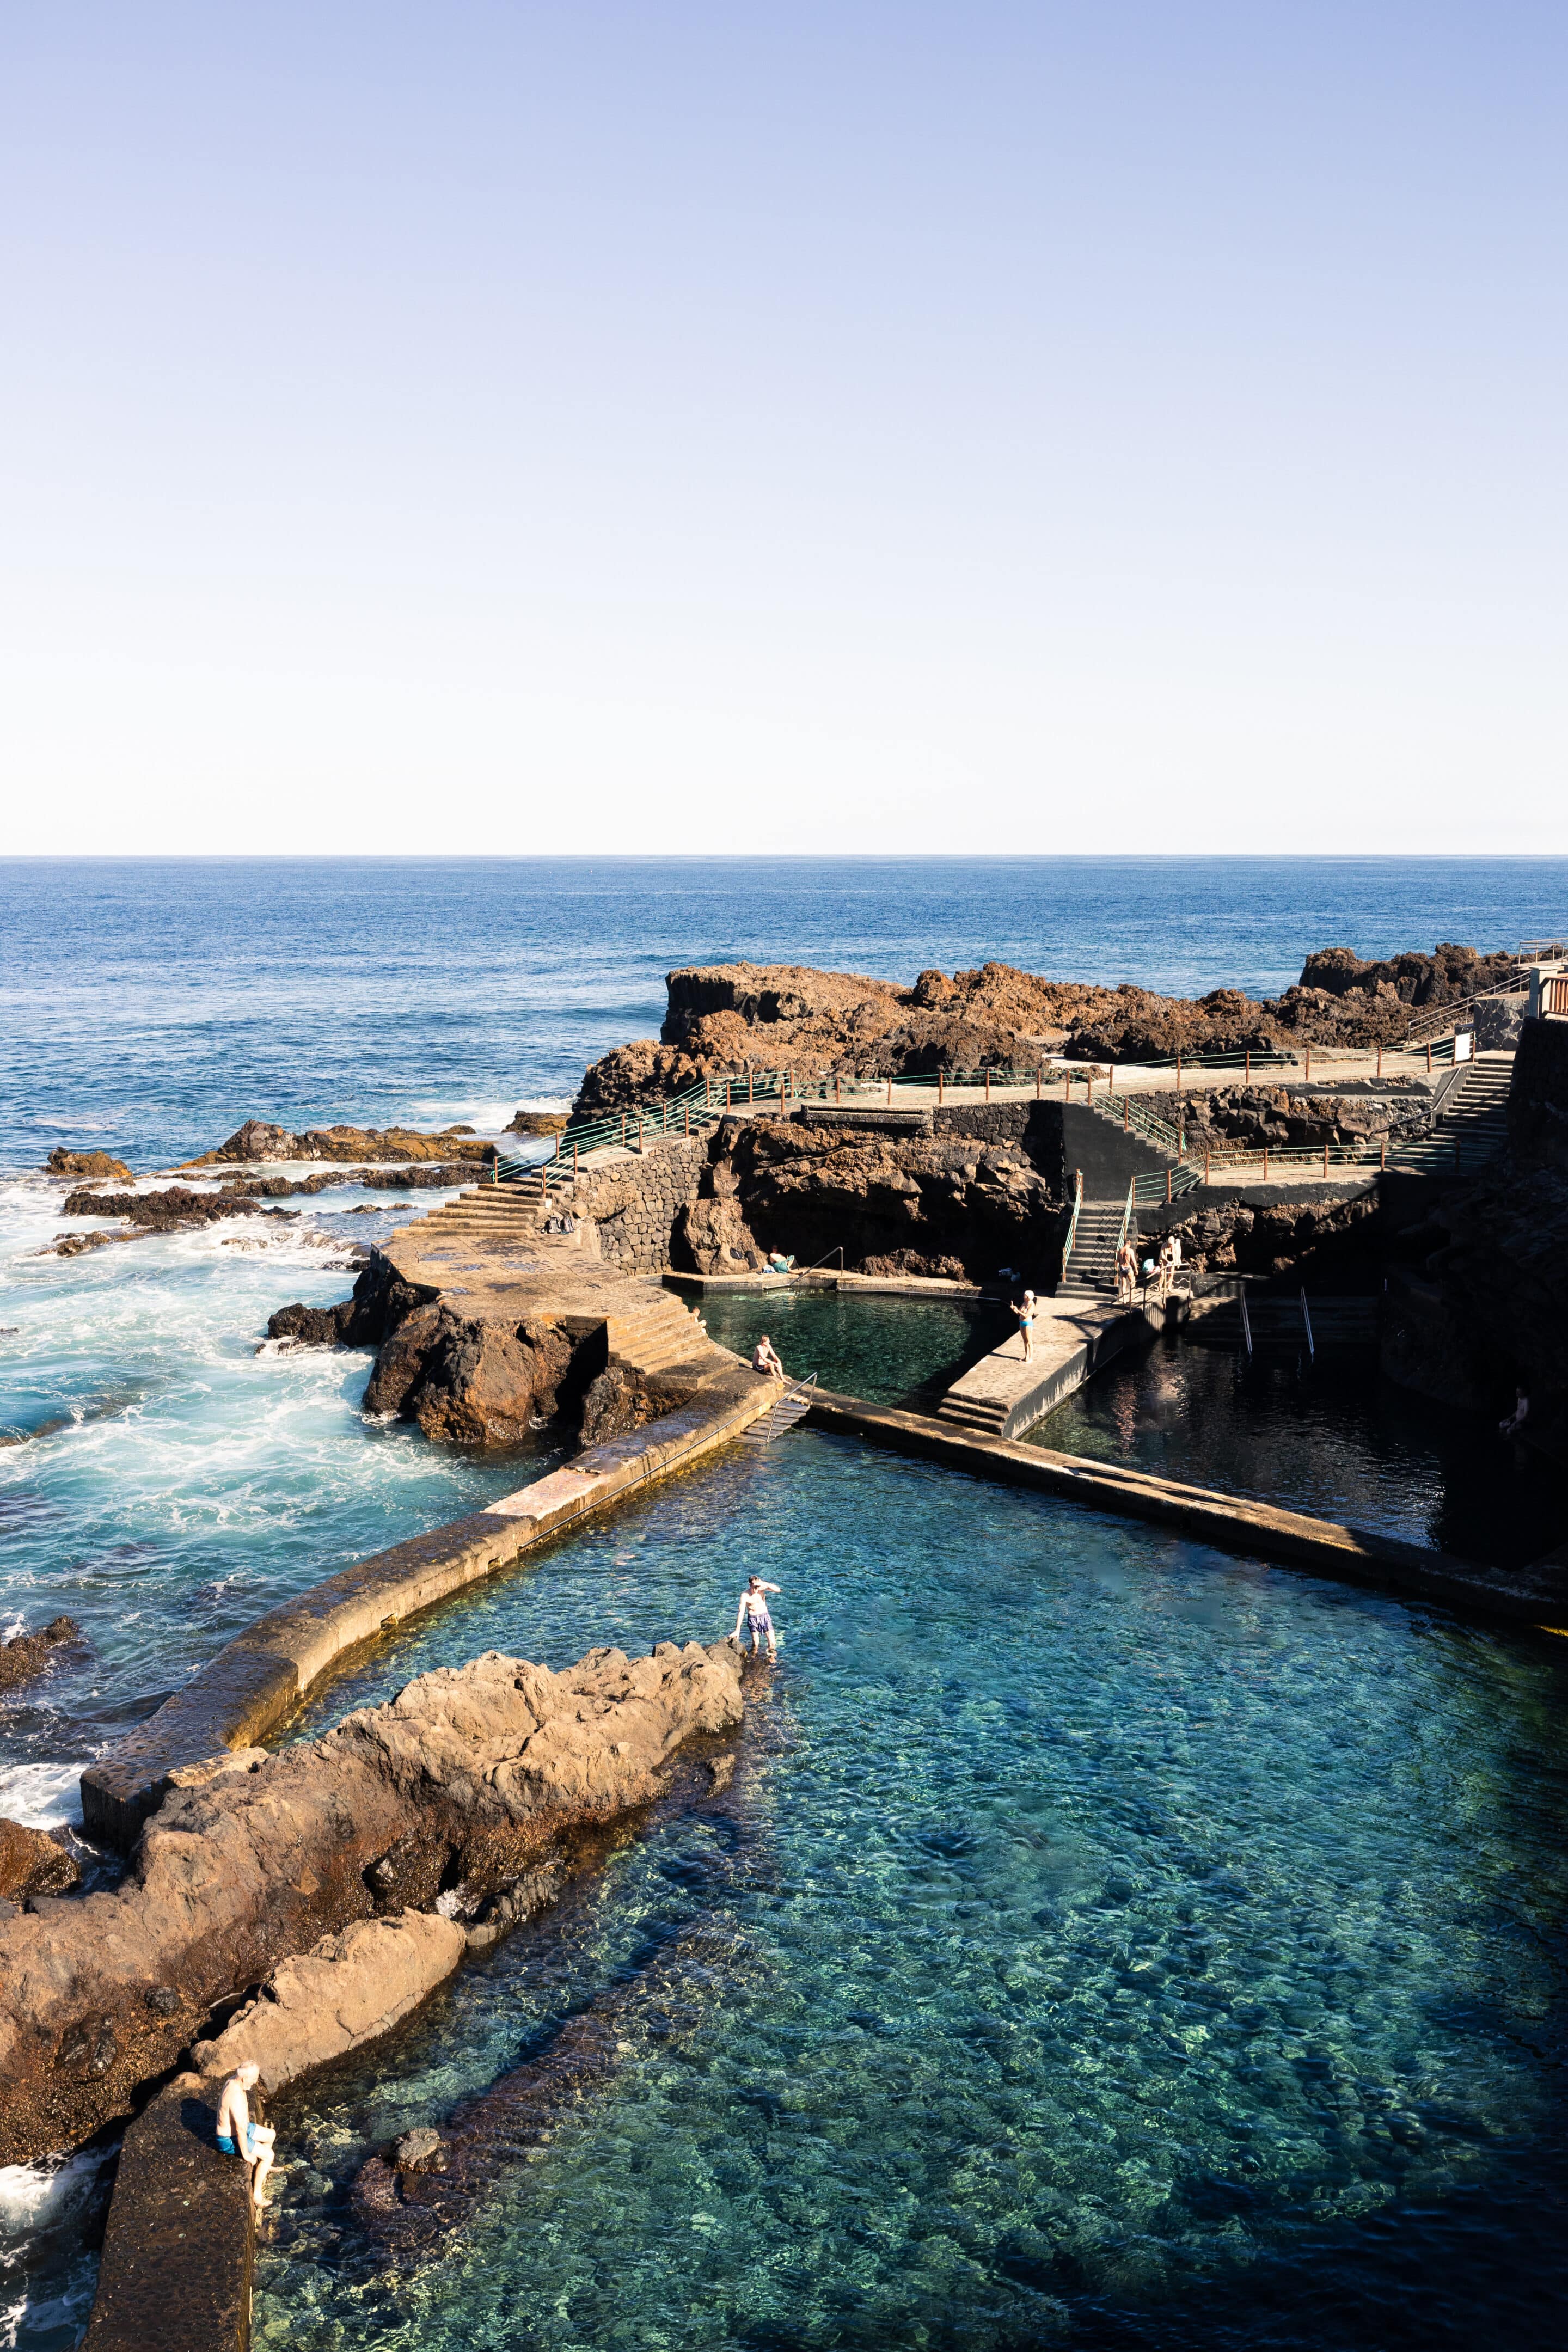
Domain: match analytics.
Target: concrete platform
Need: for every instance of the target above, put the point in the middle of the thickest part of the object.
(1003, 1394)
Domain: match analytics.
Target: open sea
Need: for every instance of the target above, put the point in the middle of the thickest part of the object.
(1126, 1946)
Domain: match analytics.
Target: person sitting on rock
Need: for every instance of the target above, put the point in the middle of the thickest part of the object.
(237, 2135)
(764, 1359)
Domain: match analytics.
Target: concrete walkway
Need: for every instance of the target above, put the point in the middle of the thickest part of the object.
(1003, 1394)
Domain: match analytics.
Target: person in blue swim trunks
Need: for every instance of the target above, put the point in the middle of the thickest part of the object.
(754, 1612)
(238, 2136)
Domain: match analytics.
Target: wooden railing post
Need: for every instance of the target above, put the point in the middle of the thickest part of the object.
(574, 1163)
(1206, 1150)
(988, 1084)
(1247, 1071)
(1309, 1064)
(939, 1082)
(1040, 1078)
(1429, 1056)
(1325, 1159)
(1379, 1057)
(1167, 1182)
(1126, 1106)
(1265, 1163)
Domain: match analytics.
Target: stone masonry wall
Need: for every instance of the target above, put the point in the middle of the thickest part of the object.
(635, 1202)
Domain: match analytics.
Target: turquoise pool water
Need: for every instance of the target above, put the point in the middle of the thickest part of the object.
(1104, 1941)
(882, 1348)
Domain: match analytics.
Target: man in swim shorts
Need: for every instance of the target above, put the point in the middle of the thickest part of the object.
(237, 2135)
(754, 1611)
(764, 1359)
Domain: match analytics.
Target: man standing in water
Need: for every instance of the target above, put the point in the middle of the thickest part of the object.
(754, 1611)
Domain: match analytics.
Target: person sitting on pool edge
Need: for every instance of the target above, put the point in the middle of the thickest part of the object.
(237, 2135)
(764, 1359)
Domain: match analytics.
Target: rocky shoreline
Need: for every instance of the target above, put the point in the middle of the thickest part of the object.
(823, 1024)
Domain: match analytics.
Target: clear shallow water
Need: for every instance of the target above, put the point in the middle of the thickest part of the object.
(880, 1348)
(1105, 1942)
(1333, 1438)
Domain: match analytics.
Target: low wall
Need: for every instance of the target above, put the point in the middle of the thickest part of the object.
(176, 2270)
(255, 1684)
(634, 1203)
(1529, 1596)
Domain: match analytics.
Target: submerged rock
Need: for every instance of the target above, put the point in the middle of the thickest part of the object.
(462, 1782)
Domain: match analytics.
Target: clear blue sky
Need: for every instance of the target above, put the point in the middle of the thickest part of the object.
(795, 427)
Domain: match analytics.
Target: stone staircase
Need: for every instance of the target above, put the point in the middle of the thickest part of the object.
(986, 1416)
(655, 1333)
(1090, 1271)
(1475, 1114)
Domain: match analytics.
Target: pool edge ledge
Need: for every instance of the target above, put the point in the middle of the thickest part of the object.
(253, 1684)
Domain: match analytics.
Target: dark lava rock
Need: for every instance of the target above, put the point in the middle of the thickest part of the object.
(29, 1653)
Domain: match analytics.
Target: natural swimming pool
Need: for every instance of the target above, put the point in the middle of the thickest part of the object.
(1105, 1941)
(867, 1344)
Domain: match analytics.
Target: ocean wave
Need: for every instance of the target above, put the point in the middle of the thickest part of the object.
(42, 1797)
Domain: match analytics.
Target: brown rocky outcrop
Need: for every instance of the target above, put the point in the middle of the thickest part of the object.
(29, 1653)
(536, 1122)
(380, 1302)
(259, 1139)
(470, 1382)
(102, 1165)
(916, 1204)
(459, 1783)
(33, 1863)
(729, 1018)
(346, 1991)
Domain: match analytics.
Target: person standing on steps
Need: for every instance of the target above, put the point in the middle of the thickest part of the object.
(754, 1611)
(1026, 1315)
(237, 2135)
(1126, 1274)
(764, 1359)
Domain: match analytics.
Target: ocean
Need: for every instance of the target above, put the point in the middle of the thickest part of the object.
(165, 1476)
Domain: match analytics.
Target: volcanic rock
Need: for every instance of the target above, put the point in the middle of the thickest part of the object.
(33, 1863)
(348, 1990)
(259, 1139)
(459, 1783)
(470, 1382)
(726, 1019)
(28, 1653)
(536, 1122)
(100, 1164)
(919, 1203)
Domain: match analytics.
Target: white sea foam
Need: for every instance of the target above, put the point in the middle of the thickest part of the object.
(41, 1796)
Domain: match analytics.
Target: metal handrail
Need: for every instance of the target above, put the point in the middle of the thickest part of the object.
(1306, 1320)
(1246, 1318)
(1072, 1223)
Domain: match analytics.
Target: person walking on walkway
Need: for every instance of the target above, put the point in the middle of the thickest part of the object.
(764, 1359)
(1026, 1315)
(754, 1611)
(237, 2135)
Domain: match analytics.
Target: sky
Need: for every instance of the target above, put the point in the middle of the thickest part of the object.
(520, 428)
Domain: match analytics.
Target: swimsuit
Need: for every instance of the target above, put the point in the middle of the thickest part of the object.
(228, 2147)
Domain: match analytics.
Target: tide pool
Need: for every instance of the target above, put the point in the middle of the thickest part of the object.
(1102, 1936)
